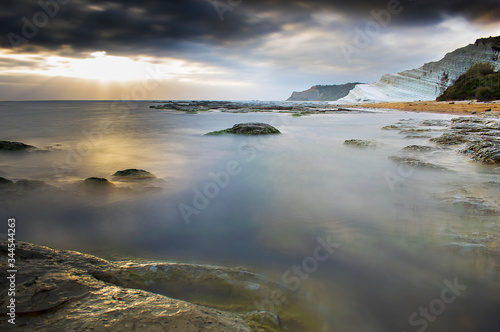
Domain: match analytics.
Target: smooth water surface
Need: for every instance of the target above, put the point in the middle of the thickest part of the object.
(268, 202)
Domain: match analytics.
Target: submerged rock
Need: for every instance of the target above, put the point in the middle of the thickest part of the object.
(7, 146)
(359, 143)
(97, 188)
(60, 290)
(33, 185)
(251, 128)
(468, 247)
(412, 162)
(393, 127)
(473, 206)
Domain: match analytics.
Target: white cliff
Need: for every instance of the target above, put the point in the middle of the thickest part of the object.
(429, 81)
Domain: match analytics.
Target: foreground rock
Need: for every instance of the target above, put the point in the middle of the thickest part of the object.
(61, 290)
(7, 146)
(251, 128)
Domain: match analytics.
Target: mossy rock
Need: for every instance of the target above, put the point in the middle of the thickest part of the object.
(251, 128)
(392, 127)
(97, 181)
(133, 173)
(359, 143)
(486, 152)
(297, 114)
(418, 148)
(450, 139)
(7, 146)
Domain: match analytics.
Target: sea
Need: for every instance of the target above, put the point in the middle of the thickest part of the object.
(407, 248)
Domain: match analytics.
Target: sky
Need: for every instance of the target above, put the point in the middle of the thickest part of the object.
(222, 49)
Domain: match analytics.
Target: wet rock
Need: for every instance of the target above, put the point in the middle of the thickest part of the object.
(473, 206)
(474, 124)
(414, 130)
(435, 123)
(415, 136)
(486, 152)
(392, 127)
(60, 290)
(259, 319)
(133, 174)
(98, 188)
(467, 119)
(98, 182)
(7, 146)
(418, 148)
(251, 128)
(492, 133)
(4, 181)
(469, 127)
(33, 185)
(450, 139)
(467, 248)
(359, 143)
(412, 162)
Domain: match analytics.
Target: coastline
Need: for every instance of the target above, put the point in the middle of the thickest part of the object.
(467, 107)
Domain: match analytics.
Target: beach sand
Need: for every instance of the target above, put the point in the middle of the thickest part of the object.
(459, 107)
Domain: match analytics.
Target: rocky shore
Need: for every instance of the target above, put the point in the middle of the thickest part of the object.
(61, 290)
(292, 108)
(477, 137)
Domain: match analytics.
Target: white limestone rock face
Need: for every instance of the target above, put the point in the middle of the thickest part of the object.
(431, 80)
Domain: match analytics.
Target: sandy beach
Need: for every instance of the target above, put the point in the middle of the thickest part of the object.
(459, 107)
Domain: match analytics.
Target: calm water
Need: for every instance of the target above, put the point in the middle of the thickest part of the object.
(393, 228)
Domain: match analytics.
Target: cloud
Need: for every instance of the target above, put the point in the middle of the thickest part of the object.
(271, 47)
(170, 27)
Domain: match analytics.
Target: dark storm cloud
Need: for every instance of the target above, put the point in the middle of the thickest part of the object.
(168, 26)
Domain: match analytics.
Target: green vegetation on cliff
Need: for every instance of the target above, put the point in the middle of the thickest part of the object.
(480, 82)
